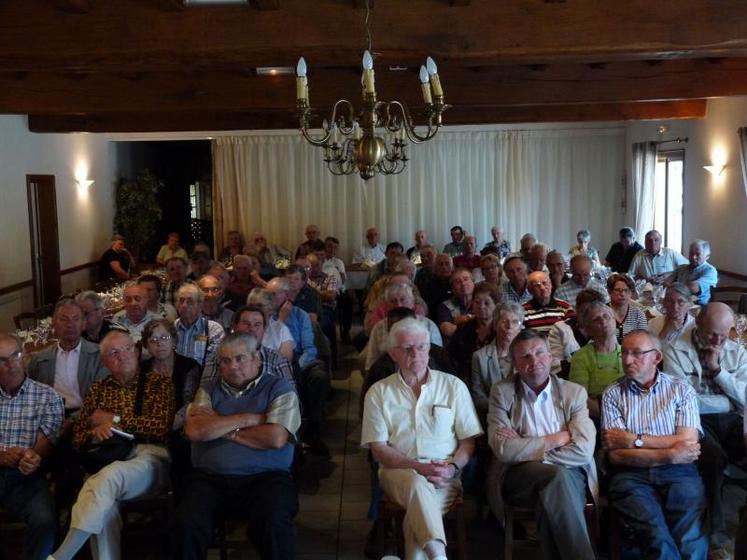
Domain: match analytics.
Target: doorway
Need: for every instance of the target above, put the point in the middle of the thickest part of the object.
(45, 247)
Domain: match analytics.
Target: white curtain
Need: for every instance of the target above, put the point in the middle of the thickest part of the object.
(743, 154)
(644, 179)
(549, 182)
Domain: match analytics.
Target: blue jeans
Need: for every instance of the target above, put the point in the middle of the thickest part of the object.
(28, 498)
(665, 507)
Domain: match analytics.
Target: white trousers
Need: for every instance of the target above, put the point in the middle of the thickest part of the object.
(96, 510)
(424, 505)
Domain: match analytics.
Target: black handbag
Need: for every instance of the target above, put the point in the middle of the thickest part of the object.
(95, 456)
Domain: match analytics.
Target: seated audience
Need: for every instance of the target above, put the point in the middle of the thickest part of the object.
(537, 257)
(242, 427)
(171, 249)
(526, 242)
(597, 364)
(117, 262)
(229, 301)
(583, 248)
(371, 252)
(501, 247)
(456, 247)
(650, 430)
(540, 432)
(394, 296)
(543, 310)
(473, 334)
(244, 277)
(655, 263)
(110, 404)
(516, 289)
(677, 318)
(198, 336)
(199, 264)
(621, 252)
(135, 314)
(31, 416)
(716, 367)
(421, 240)
(312, 233)
(276, 335)
(176, 273)
(698, 275)
(580, 280)
(212, 306)
(628, 317)
(397, 420)
(438, 287)
(469, 258)
(456, 310)
(492, 273)
(565, 337)
(269, 255)
(96, 325)
(235, 247)
(492, 362)
(555, 263)
(392, 256)
(300, 293)
(333, 265)
(152, 285)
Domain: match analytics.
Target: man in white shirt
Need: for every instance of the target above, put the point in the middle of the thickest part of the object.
(371, 252)
(543, 439)
(420, 425)
(655, 263)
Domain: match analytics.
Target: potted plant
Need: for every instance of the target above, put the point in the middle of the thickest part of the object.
(138, 211)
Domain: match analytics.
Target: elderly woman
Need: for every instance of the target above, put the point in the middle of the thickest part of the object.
(235, 247)
(492, 273)
(628, 317)
(597, 364)
(477, 332)
(492, 363)
(676, 318)
(583, 248)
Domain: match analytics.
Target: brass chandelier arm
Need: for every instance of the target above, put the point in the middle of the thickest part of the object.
(434, 123)
(346, 115)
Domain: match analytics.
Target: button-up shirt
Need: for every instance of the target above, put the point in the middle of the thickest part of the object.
(569, 290)
(200, 340)
(423, 428)
(704, 274)
(66, 376)
(645, 265)
(541, 418)
(34, 408)
(510, 295)
(368, 254)
(122, 321)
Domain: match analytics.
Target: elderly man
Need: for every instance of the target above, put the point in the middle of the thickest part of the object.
(199, 264)
(95, 325)
(393, 254)
(498, 244)
(333, 265)
(176, 272)
(420, 425)
(371, 252)
(456, 247)
(541, 434)
(300, 293)
(527, 241)
(152, 285)
(555, 263)
(212, 307)
(116, 262)
(421, 240)
(543, 310)
(31, 416)
(111, 405)
(171, 249)
(312, 236)
(716, 368)
(135, 314)
(326, 286)
(456, 310)
(580, 280)
(537, 257)
(296, 319)
(242, 427)
(655, 263)
(621, 252)
(517, 288)
(699, 275)
(469, 258)
(198, 336)
(650, 431)
(268, 255)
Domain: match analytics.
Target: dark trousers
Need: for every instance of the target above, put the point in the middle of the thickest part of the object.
(345, 312)
(28, 498)
(268, 501)
(313, 387)
(722, 442)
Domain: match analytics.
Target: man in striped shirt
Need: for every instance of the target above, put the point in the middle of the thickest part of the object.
(650, 430)
(581, 279)
(543, 310)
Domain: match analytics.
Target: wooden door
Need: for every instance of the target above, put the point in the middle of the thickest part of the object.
(45, 248)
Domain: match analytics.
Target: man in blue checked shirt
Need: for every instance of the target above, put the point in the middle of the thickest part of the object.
(31, 417)
(650, 430)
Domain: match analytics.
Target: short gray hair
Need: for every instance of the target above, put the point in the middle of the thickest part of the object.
(591, 306)
(408, 326)
(508, 307)
(703, 244)
(93, 297)
(680, 289)
(250, 342)
(200, 296)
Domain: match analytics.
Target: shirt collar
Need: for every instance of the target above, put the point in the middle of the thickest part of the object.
(543, 395)
(75, 350)
(236, 393)
(197, 324)
(636, 387)
(24, 385)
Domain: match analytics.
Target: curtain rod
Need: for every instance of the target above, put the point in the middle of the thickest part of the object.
(677, 140)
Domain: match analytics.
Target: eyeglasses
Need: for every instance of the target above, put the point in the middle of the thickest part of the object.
(120, 352)
(636, 354)
(422, 347)
(238, 358)
(14, 357)
(157, 339)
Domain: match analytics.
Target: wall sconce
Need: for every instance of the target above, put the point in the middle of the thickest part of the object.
(716, 170)
(85, 183)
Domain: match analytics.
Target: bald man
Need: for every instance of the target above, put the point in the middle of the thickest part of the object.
(543, 310)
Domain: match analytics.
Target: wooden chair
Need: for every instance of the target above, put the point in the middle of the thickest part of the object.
(148, 518)
(29, 319)
(733, 296)
(391, 516)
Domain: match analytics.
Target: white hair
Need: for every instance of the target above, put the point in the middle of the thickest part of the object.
(409, 325)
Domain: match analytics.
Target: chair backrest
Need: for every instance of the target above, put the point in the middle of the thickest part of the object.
(25, 321)
(730, 295)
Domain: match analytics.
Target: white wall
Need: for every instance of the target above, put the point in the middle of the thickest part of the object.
(84, 215)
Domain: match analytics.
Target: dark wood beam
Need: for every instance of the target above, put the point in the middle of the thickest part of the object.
(44, 93)
(267, 4)
(74, 6)
(138, 36)
(213, 121)
(460, 2)
(363, 4)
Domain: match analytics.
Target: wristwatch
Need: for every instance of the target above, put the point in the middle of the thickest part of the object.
(638, 441)
(116, 418)
(457, 470)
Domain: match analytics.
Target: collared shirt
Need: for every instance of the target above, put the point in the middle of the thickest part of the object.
(108, 394)
(503, 248)
(66, 376)
(423, 428)
(704, 274)
(200, 340)
(276, 334)
(541, 318)
(569, 290)
(668, 404)
(335, 267)
(368, 254)
(223, 317)
(34, 408)
(122, 321)
(541, 418)
(323, 283)
(595, 370)
(272, 364)
(454, 249)
(656, 324)
(645, 265)
(299, 324)
(510, 295)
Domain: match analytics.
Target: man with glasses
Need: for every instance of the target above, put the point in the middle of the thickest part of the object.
(213, 291)
(420, 425)
(581, 279)
(198, 336)
(242, 427)
(650, 431)
(31, 416)
(110, 405)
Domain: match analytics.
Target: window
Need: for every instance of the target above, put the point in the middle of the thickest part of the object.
(194, 201)
(668, 197)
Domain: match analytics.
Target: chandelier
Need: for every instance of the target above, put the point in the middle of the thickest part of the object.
(374, 140)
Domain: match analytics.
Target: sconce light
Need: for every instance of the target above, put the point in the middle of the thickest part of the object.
(716, 170)
(85, 183)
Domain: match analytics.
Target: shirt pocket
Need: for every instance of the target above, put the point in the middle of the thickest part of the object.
(442, 419)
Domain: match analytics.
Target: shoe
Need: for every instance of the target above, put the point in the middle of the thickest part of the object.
(375, 546)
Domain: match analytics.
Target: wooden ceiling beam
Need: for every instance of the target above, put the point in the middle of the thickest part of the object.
(74, 6)
(212, 121)
(267, 4)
